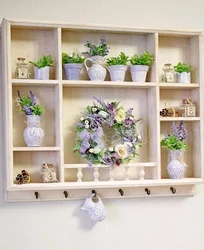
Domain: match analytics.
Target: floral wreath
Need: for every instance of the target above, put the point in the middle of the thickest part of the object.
(89, 130)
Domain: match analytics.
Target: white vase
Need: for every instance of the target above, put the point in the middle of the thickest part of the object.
(42, 73)
(138, 72)
(96, 72)
(176, 167)
(33, 134)
(72, 71)
(117, 72)
(184, 77)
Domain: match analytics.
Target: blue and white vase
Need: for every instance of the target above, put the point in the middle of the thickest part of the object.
(176, 167)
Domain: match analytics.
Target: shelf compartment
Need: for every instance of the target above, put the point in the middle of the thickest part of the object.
(107, 84)
(26, 149)
(46, 96)
(74, 40)
(32, 162)
(192, 156)
(174, 49)
(32, 43)
(187, 119)
(178, 86)
(33, 82)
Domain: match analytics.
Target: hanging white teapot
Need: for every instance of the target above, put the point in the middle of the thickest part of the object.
(96, 210)
(96, 72)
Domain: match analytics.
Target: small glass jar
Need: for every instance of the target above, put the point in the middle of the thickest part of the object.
(22, 69)
(169, 73)
(187, 108)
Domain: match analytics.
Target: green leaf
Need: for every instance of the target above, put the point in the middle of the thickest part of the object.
(145, 59)
(182, 67)
(122, 59)
(73, 58)
(43, 62)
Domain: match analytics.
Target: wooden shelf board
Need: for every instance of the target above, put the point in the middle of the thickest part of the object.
(108, 84)
(33, 82)
(178, 85)
(189, 119)
(106, 184)
(28, 149)
(140, 164)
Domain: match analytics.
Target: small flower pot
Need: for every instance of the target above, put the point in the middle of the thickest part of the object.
(183, 77)
(72, 71)
(42, 73)
(117, 72)
(139, 72)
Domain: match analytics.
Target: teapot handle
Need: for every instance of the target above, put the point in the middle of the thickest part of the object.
(85, 63)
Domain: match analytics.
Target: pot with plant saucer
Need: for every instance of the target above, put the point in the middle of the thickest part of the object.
(42, 67)
(140, 66)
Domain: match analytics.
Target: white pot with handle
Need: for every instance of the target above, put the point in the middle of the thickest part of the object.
(96, 72)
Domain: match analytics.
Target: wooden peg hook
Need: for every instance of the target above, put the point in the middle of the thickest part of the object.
(173, 190)
(121, 192)
(147, 191)
(94, 192)
(65, 194)
(36, 195)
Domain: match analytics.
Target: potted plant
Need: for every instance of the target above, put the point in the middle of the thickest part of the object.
(117, 67)
(33, 134)
(42, 67)
(175, 142)
(140, 66)
(97, 71)
(72, 64)
(183, 72)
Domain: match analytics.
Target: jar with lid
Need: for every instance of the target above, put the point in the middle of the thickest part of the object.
(22, 69)
(169, 73)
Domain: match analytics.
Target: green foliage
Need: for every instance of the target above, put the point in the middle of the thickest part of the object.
(25, 101)
(101, 49)
(182, 67)
(43, 62)
(37, 110)
(73, 58)
(122, 59)
(173, 143)
(145, 59)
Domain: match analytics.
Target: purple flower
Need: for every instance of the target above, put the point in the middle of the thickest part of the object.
(84, 135)
(33, 98)
(129, 112)
(28, 110)
(180, 132)
(99, 101)
(128, 122)
(111, 106)
(84, 146)
(108, 160)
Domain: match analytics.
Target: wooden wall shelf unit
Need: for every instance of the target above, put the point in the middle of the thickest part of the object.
(64, 101)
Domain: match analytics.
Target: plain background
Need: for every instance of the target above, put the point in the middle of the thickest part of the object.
(139, 224)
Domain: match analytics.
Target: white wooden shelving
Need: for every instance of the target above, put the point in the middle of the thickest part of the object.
(64, 101)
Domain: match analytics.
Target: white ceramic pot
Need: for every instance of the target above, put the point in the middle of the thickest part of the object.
(184, 77)
(138, 72)
(72, 71)
(33, 134)
(96, 72)
(176, 167)
(117, 72)
(42, 73)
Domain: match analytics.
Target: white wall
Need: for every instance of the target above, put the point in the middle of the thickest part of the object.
(142, 224)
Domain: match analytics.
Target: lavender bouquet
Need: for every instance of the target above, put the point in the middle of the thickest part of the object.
(28, 104)
(175, 140)
(101, 49)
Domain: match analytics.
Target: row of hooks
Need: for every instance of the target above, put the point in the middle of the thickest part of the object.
(121, 191)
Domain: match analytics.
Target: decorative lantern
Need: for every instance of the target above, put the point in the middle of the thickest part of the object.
(187, 108)
(169, 73)
(22, 69)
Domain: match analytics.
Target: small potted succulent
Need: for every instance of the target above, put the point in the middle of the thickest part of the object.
(72, 64)
(140, 66)
(33, 134)
(42, 67)
(175, 143)
(183, 72)
(97, 71)
(117, 67)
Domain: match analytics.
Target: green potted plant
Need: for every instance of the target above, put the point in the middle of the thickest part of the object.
(33, 134)
(183, 72)
(175, 143)
(140, 66)
(72, 64)
(117, 67)
(42, 67)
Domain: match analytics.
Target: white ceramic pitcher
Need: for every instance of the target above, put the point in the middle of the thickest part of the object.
(96, 72)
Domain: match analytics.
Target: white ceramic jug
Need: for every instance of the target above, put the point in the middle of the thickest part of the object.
(96, 72)
(96, 210)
